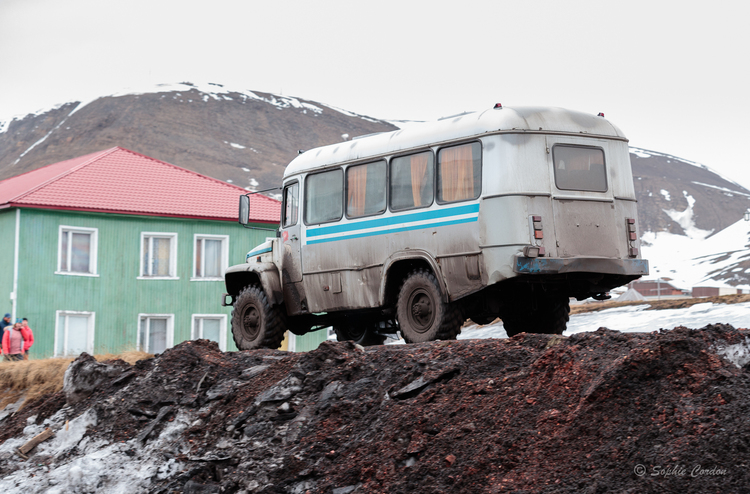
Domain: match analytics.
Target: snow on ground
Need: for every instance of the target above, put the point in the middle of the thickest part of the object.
(630, 319)
(690, 261)
(117, 468)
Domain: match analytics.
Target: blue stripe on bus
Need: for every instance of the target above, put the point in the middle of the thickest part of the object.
(254, 253)
(393, 220)
(394, 230)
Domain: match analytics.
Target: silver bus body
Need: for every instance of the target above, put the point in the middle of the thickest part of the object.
(553, 217)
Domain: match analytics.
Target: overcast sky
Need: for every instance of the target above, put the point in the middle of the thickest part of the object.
(673, 75)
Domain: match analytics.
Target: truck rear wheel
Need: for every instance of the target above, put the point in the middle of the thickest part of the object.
(256, 323)
(359, 332)
(549, 315)
(421, 313)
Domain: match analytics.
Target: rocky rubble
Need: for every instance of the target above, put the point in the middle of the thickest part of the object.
(594, 412)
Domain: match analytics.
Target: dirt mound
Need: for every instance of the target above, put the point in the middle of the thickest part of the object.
(594, 412)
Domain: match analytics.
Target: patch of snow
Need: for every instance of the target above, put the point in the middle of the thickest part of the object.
(245, 169)
(639, 152)
(685, 218)
(696, 261)
(235, 145)
(117, 468)
(252, 182)
(665, 193)
(738, 354)
(636, 319)
(728, 192)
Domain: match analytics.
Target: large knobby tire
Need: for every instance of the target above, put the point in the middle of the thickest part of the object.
(361, 333)
(421, 312)
(255, 322)
(549, 315)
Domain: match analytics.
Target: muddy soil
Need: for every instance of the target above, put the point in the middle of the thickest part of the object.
(594, 412)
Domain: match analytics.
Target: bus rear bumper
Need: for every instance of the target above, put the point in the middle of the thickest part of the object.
(556, 265)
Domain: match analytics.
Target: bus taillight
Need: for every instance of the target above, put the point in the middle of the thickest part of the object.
(632, 237)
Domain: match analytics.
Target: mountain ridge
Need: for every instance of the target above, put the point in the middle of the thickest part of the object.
(248, 137)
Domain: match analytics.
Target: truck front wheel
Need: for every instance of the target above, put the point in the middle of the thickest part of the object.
(256, 323)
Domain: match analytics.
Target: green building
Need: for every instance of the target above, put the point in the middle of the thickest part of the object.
(115, 251)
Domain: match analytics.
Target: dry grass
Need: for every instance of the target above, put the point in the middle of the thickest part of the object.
(32, 379)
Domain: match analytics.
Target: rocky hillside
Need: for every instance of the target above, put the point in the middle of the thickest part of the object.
(244, 138)
(249, 137)
(683, 197)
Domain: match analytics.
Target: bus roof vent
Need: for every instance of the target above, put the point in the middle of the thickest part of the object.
(454, 116)
(366, 135)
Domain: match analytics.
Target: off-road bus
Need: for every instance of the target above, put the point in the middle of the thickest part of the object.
(507, 212)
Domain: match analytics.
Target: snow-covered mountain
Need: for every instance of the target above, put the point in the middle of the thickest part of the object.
(690, 217)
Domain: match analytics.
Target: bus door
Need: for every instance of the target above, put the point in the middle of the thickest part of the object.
(291, 267)
(584, 212)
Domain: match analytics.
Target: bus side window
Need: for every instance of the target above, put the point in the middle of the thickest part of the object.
(412, 181)
(291, 204)
(365, 189)
(323, 197)
(459, 172)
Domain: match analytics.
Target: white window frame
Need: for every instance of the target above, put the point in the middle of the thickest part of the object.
(222, 328)
(170, 330)
(172, 256)
(94, 232)
(90, 330)
(224, 256)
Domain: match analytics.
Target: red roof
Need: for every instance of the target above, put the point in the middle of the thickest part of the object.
(121, 181)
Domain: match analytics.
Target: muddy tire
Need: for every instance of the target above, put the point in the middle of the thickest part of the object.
(421, 313)
(362, 334)
(549, 315)
(255, 322)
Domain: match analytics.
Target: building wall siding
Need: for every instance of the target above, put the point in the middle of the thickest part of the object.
(8, 232)
(116, 295)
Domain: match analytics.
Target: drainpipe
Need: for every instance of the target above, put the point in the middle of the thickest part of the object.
(14, 294)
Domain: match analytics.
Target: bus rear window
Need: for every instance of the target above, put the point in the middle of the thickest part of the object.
(579, 168)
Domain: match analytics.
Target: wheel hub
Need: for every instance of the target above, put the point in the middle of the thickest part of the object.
(251, 321)
(422, 311)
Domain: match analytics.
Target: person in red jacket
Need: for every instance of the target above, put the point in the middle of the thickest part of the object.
(14, 342)
(29, 341)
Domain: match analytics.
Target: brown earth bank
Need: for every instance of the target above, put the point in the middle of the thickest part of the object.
(594, 412)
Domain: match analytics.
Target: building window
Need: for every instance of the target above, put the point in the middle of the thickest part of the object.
(211, 327)
(155, 332)
(323, 197)
(210, 256)
(365, 189)
(77, 251)
(158, 255)
(74, 333)
(412, 181)
(459, 172)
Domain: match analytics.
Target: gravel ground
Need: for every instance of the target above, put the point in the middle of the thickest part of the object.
(594, 412)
